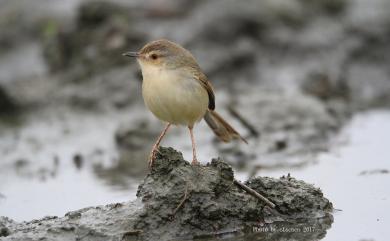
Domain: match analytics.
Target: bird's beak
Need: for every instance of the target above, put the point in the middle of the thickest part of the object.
(131, 54)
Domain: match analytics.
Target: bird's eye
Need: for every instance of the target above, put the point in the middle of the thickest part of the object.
(154, 56)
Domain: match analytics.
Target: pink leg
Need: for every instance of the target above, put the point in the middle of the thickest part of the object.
(194, 159)
(157, 145)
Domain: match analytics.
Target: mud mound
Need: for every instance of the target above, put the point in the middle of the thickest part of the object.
(178, 200)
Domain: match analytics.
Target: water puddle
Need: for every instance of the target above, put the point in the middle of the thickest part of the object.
(66, 170)
(53, 164)
(355, 176)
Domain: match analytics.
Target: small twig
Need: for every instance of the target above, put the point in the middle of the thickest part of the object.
(130, 233)
(254, 193)
(244, 122)
(182, 201)
(133, 232)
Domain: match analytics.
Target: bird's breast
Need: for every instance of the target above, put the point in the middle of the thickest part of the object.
(174, 95)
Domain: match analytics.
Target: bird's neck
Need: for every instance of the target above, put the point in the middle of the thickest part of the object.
(152, 74)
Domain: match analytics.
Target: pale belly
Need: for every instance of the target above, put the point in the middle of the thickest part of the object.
(177, 101)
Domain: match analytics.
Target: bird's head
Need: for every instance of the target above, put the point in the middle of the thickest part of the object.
(164, 54)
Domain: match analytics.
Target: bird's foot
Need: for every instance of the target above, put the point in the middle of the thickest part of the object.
(195, 162)
(152, 155)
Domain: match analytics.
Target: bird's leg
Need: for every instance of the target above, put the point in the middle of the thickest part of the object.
(194, 159)
(157, 145)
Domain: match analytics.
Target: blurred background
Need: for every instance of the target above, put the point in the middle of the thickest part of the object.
(307, 82)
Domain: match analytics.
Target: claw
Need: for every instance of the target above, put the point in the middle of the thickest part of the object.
(158, 151)
(152, 156)
(195, 162)
(156, 146)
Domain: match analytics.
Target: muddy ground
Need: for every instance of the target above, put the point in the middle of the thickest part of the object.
(179, 201)
(287, 75)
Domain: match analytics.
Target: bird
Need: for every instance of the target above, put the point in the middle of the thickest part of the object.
(177, 92)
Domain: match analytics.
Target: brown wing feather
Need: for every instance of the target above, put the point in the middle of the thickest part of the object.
(207, 85)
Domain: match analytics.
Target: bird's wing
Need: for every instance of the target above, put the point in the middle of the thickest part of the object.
(207, 85)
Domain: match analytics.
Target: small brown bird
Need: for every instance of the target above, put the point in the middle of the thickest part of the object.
(177, 92)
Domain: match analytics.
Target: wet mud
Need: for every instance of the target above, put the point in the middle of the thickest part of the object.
(179, 200)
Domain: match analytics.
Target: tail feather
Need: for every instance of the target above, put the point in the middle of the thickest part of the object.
(221, 128)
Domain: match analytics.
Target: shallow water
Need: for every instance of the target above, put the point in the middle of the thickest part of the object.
(355, 175)
(50, 167)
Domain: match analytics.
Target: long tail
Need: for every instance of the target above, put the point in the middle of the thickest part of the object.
(221, 128)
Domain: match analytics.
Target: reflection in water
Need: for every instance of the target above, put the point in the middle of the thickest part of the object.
(78, 161)
(66, 176)
(349, 177)
(310, 230)
(48, 164)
